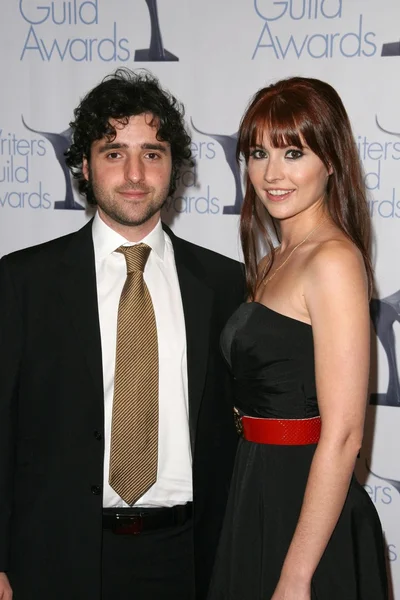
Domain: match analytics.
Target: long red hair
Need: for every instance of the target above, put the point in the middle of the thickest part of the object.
(294, 111)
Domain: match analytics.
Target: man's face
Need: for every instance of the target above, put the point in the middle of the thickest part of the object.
(131, 175)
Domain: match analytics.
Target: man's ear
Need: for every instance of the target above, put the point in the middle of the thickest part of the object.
(85, 168)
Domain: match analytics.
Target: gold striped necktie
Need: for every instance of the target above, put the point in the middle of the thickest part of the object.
(134, 428)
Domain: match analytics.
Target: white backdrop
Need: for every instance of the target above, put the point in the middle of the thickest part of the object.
(52, 53)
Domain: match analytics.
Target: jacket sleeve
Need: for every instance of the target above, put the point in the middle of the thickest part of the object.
(10, 358)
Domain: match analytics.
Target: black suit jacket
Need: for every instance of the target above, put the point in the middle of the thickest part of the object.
(51, 412)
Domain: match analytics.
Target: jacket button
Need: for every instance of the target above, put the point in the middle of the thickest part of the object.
(97, 435)
(96, 490)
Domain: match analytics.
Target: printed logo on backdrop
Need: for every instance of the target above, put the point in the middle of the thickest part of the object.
(228, 144)
(310, 28)
(16, 156)
(156, 52)
(60, 143)
(391, 49)
(385, 314)
(222, 148)
(383, 494)
(378, 156)
(61, 45)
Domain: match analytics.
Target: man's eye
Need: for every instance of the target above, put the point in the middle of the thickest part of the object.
(113, 155)
(152, 155)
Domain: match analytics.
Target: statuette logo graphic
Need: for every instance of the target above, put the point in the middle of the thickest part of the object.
(156, 52)
(61, 142)
(385, 130)
(228, 144)
(393, 482)
(385, 313)
(391, 49)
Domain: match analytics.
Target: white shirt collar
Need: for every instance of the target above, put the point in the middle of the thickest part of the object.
(106, 240)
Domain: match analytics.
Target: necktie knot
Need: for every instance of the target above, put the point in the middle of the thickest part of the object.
(136, 256)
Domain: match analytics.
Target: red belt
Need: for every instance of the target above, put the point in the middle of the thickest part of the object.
(282, 432)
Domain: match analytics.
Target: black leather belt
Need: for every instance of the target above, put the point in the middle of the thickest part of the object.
(131, 521)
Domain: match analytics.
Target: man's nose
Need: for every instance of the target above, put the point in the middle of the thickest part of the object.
(134, 169)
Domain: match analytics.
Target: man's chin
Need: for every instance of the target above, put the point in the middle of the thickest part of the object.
(135, 220)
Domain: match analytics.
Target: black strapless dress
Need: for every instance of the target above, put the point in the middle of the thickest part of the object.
(272, 360)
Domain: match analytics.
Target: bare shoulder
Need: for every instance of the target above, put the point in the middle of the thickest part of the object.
(336, 290)
(335, 282)
(335, 260)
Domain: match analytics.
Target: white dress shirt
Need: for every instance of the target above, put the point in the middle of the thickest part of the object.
(174, 473)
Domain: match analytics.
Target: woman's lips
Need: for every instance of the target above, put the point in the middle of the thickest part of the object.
(279, 194)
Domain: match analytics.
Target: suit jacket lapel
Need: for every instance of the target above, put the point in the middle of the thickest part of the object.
(77, 286)
(197, 300)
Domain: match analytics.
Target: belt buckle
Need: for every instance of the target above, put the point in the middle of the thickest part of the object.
(238, 421)
(132, 525)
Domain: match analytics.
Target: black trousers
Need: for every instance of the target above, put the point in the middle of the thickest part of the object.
(154, 565)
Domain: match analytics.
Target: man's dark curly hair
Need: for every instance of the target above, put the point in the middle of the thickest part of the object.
(119, 96)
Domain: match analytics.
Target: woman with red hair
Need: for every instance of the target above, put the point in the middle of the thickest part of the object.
(298, 524)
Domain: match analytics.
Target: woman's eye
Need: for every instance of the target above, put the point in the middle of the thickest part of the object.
(257, 153)
(293, 154)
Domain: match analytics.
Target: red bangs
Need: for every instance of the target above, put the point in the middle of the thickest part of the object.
(276, 118)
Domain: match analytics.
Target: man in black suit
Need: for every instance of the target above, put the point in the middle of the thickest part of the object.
(70, 525)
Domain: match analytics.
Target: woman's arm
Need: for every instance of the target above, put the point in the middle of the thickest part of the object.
(336, 296)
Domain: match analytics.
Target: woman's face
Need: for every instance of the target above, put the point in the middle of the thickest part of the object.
(289, 180)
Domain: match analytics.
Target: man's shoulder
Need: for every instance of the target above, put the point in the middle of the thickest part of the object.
(211, 256)
(209, 259)
(41, 254)
(221, 274)
(39, 250)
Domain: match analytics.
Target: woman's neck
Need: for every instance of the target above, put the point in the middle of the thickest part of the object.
(295, 229)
